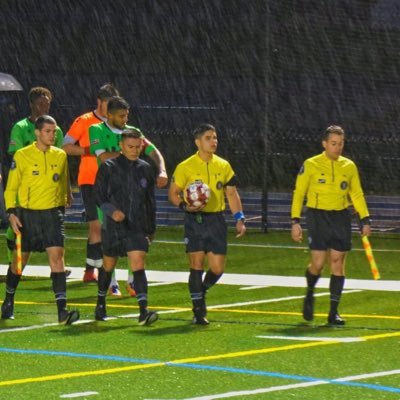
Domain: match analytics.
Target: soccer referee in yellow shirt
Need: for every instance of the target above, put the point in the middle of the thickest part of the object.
(39, 179)
(205, 227)
(330, 183)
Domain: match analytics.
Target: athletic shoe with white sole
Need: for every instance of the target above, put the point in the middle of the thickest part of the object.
(335, 320)
(199, 317)
(114, 291)
(148, 318)
(68, 317)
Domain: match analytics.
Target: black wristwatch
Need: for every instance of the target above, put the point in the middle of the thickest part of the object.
(295, 221)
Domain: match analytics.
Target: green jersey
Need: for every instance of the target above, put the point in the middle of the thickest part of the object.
(23, 134)
(103, 139)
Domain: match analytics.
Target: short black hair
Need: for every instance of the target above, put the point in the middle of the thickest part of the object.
(37, 92)
(117, 103)
(201, 129)
(107, 91)
(131, 134)
(332, 129)
(44, 119)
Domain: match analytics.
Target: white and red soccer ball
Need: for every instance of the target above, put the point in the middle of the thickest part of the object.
(197, 194)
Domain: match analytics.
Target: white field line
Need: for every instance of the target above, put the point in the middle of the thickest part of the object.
(160, 283)
(274, 246)
(293, 386)
(278, 299)
(253, 287)
(315, 338)
(75, 395)
(227, 278)
(174, 311)
(33, 327)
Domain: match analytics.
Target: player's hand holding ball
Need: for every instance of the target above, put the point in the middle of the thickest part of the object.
(196, 196)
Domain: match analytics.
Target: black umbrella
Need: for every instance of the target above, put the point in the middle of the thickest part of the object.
(8, 83)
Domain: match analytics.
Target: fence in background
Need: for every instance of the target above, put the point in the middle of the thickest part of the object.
(384, 210)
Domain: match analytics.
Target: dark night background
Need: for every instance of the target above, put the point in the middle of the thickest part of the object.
(271, 75)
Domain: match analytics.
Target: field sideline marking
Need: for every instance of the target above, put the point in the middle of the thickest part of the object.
(185, 361)
(227, 278)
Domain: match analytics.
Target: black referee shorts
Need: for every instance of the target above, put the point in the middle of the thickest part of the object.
(117, 239)
(206, 232)
(89, 202)
(329, 229)
(41, 229)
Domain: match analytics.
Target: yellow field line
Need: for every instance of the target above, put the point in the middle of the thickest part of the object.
(299, 313)
(109, 305)
(188, 360)
(79, 374)
(229, 310)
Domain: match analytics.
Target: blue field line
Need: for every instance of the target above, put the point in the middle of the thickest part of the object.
(202, 367)
(285, 376)
(78, 355)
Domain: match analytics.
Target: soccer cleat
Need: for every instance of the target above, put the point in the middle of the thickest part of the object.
(148, 318)
(7, 310)
(199, 317)
(114, 291)
(335, 320)
(90, 275)
(308, 307)
(200, 320)
(100, 313)
(68, 317)
(130, 289)
(67, 273)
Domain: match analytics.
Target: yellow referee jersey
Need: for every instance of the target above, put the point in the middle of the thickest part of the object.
(328, 184)
(215, 173)
(37, 178)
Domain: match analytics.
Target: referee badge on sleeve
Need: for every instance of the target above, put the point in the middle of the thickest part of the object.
(301, 170)
(13, 164)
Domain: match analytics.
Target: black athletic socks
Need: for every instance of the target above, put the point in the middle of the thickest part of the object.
(311, 280)
(335, 287)
(196, 287)
(103, 284)
(60, 290)
(210, 280)
(140, 286)
(94, 255)
(12, 281)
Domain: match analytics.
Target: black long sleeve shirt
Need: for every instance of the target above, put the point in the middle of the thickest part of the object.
(128, 186)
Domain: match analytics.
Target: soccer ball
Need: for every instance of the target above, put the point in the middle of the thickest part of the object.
(197, 194)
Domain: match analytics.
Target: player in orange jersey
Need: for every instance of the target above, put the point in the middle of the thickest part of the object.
(77, 143)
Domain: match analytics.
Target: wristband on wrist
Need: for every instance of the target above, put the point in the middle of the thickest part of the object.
(10, 211)
(295, 221)
(239, 216)
(182, 206)
(365, 221)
